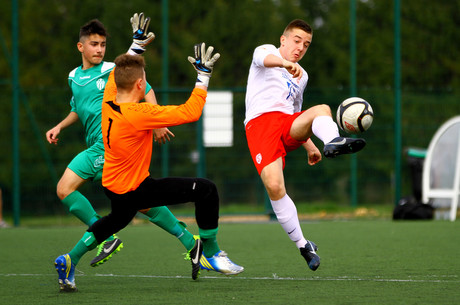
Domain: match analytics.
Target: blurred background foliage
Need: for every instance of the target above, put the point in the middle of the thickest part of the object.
(48, 33)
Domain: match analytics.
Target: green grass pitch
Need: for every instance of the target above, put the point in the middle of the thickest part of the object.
(362, 262)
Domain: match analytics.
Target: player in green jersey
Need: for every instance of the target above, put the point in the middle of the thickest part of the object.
(87, 83)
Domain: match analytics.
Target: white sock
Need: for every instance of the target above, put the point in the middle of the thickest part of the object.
(286, 212)
(325, 128)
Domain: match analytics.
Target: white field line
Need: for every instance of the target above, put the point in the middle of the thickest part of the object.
(274, 277)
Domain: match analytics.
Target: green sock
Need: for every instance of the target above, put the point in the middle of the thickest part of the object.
(162, 217)
(86, 243)
(80, 207)
(210, 246)
(185, 237)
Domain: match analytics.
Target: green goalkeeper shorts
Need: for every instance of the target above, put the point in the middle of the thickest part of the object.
(89, 163)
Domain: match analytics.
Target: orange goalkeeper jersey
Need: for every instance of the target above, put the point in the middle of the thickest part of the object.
(128, 136)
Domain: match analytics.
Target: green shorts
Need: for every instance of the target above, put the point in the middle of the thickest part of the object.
(89, 163)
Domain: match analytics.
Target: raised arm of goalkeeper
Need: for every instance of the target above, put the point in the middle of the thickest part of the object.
(141, 38)
(203, 61)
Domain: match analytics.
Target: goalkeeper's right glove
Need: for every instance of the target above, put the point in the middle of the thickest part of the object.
(203, 63)
(140, 37)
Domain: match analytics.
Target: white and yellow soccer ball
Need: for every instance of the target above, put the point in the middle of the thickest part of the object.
(354, 115)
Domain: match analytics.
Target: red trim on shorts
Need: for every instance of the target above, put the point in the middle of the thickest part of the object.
(268, 138)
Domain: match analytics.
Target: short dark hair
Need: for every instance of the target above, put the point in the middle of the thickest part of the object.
(93, 27)
(129, 68)
(298, 24)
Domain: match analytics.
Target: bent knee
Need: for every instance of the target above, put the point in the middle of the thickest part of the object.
(206, 188)
(275, 190)
(323, 109)
(63, 190)
(206, 183)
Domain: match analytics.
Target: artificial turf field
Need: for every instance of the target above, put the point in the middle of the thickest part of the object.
(362, 262)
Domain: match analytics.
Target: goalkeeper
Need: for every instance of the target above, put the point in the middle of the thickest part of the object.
(126, 129)
(87, 83)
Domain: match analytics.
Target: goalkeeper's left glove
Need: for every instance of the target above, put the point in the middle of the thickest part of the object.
(140, 37)
(203, 63)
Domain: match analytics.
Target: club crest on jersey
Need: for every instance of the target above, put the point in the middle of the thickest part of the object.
(259, 158)
(99, 162)
(100, 84)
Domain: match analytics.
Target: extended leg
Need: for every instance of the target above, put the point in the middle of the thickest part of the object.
(286, 211)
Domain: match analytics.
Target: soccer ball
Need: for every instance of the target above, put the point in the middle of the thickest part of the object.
(355, 115)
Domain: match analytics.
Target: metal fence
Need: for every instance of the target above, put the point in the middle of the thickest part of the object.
(231, 168)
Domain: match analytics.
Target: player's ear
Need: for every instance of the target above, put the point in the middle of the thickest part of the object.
(282, 39)
(80, 46)
(140, 84)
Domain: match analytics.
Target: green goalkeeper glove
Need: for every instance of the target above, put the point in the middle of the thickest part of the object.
(140, 37)
(203, 63)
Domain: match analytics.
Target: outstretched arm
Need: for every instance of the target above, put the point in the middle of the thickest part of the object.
(51, 135)
(144, 116)
(271, 61)
(203, 63)
(141, 37)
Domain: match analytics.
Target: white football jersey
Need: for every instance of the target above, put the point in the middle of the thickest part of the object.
(272, 89)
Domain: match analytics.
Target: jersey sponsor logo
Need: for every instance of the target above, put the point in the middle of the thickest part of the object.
(100, 84)
(85, 77)
(99, 162)
(259, 158)
(292, 87)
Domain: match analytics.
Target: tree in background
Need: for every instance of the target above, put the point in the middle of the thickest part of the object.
(430, 69)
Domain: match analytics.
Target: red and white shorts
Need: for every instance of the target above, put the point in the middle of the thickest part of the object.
(268, 138)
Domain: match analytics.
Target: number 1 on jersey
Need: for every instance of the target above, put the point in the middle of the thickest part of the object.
(108, 132)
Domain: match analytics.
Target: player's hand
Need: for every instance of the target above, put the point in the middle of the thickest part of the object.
(141, 38)
(314, 157)
(203, 62)
(161, 135)
(51, 135)
(293, 68)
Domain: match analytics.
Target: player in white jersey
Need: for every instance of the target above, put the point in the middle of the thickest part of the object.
(266, 86)
(275, 124)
